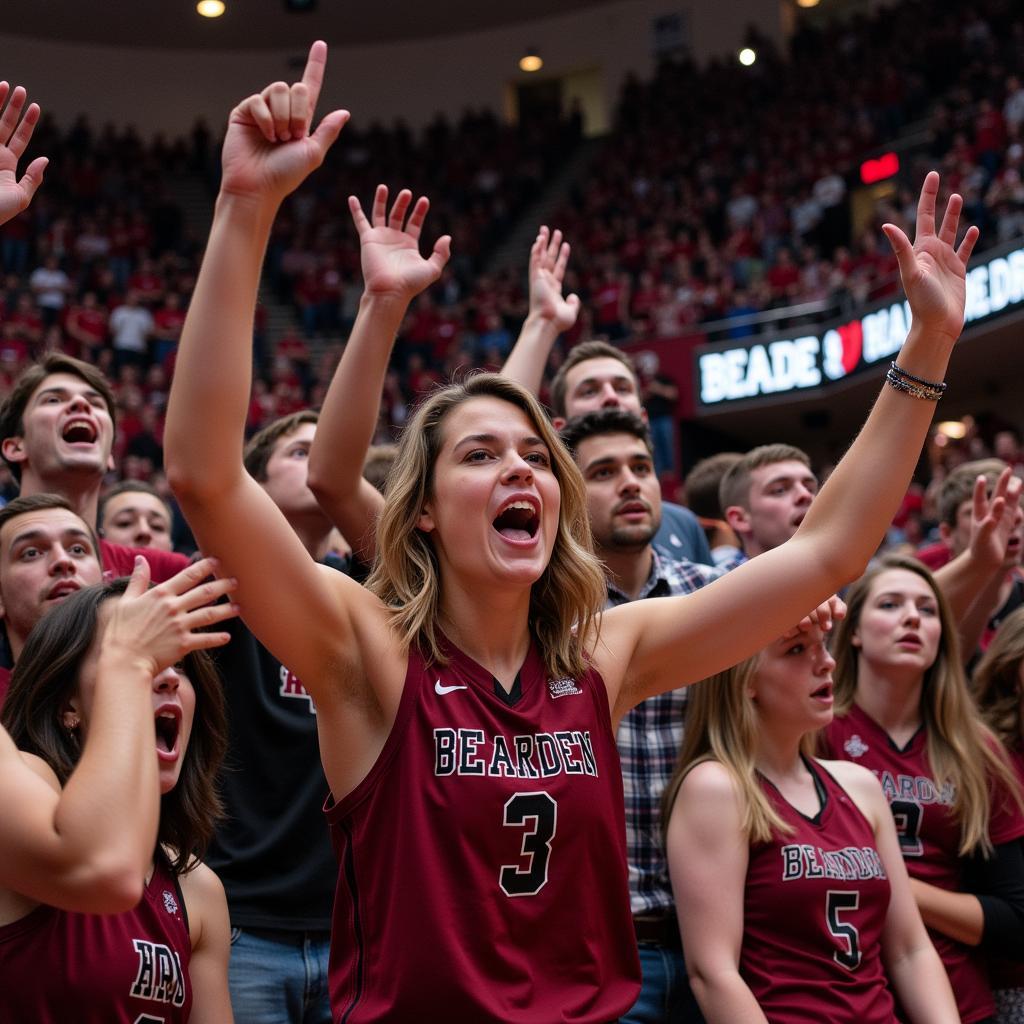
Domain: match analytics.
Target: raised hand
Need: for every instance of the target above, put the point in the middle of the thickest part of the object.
(165, 623)
(15, 195)
(994, 520)
(548, 258)
(268, 149)
(933, 271)
(390, 253)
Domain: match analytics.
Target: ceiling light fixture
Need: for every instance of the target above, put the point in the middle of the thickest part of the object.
(210, 8)
(531, 60)
(747, 56)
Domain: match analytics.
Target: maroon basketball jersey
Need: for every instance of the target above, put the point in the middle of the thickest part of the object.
(813, 912)
(129, 968)
(482, 862)
(929, 834)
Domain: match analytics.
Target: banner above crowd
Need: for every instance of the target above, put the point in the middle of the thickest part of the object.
(816, 356)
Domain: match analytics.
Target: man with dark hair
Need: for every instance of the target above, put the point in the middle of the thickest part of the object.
(612, 448)
(272, 849)
(47, 551)
(765, 495)
(56, 434)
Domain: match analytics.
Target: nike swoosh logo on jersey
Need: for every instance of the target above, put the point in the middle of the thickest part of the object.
(442, 690)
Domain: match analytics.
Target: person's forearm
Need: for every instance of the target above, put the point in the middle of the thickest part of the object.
(971, 624)
(349, 416)
(529, 356)
(957, 915)
(109, 811)
(850, 515)
(209, 399)
(922, 985)
(725, 998)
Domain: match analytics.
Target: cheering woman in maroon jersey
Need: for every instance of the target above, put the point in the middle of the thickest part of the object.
(50, 846)
(132, 666)
(793, 899)
(903, 710)
(465, 701)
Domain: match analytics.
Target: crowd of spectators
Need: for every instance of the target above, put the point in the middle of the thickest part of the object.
(721, 193)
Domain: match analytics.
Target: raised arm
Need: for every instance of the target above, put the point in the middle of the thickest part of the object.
(394, 273)
(15, 133)
(972, 581)
(296, 608)
(89, 847)
(549, 315)
(650, 647)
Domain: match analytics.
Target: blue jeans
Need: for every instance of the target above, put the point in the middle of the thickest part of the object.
(665, 996)
(279, 977)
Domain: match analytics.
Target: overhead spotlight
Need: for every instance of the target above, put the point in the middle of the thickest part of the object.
(210, 8)
(747, 56)
(531, 60)
(807, 3)
(955, 429)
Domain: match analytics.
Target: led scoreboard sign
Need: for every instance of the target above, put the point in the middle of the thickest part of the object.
(833, 352)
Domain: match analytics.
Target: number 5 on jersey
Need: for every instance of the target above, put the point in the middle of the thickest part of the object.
(538, 812)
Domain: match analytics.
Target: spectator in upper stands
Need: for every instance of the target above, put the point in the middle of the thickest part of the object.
(131, 325)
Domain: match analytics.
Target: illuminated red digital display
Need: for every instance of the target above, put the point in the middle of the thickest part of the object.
(883, 167)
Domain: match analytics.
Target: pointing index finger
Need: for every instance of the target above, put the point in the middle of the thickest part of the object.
(313, 75)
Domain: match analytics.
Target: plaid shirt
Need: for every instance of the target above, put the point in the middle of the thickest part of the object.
(649, 738)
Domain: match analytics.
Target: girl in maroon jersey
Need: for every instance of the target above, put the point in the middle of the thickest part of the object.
(96, 667)
(903, 710)
(50, 846)
(434, 686)
(999, 689)
(793, 900)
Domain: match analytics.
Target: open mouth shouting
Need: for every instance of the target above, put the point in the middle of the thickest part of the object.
(168, 727)
(518, 520)
(823, 693)
(79, 431)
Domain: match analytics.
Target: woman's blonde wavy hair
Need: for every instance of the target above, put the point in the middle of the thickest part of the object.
(962, 751)
(722, 725)
(564, 603)
(997, 682)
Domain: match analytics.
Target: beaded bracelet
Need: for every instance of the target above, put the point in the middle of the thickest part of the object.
(929, 392)
(939, 386)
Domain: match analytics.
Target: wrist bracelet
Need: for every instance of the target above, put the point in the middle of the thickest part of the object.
(929, 393)
(939, 386)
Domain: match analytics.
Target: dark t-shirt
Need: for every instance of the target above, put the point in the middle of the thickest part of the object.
(681, 536)
(272, 850)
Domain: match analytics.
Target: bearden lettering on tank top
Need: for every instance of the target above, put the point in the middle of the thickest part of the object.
(291, 686)
(538, 755)
(915, 788)
(159, 978)
(852, 863)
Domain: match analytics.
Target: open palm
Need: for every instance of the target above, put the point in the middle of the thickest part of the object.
(548, 259)
(15, 193)
(390, 252)
(933, 271)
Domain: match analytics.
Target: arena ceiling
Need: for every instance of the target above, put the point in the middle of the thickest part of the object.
(264, 24)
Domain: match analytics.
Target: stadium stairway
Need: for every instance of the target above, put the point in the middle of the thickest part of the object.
(514, 251)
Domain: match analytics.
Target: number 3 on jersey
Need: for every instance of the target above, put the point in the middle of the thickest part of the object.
(538, 814)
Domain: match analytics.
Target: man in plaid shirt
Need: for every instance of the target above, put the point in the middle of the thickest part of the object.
(613, 450)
